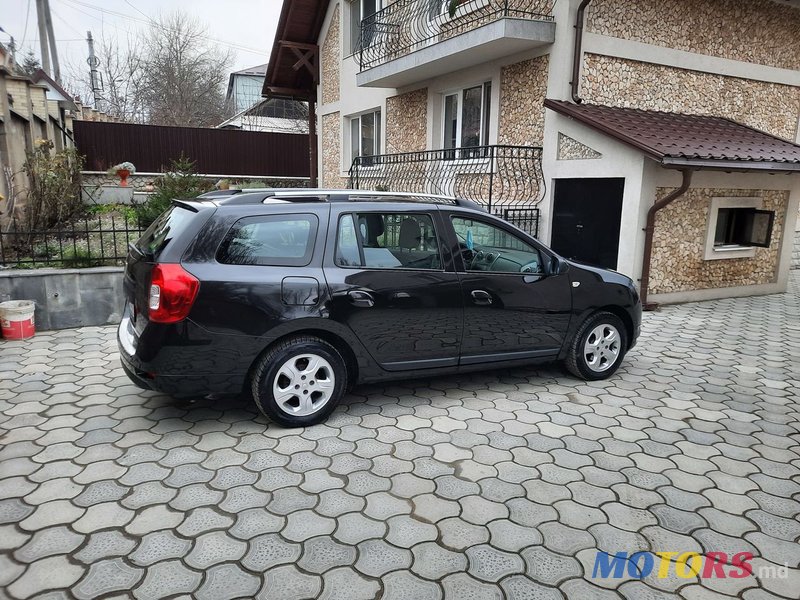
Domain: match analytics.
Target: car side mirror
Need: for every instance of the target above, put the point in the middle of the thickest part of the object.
(558, 266)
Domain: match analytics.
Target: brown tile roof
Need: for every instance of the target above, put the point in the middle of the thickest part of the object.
(677, 140)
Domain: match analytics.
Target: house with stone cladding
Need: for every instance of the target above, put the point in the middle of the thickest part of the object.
(656, 138)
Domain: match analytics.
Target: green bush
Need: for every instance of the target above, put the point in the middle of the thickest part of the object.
(180, 181)
(54, 193)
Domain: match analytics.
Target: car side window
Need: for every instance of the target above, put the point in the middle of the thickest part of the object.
(387, 241)
(489, 248)
(270, 240)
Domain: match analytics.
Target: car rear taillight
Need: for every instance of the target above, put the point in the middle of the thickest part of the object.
(172, 293)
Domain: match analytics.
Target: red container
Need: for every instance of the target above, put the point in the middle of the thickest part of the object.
(17, 319)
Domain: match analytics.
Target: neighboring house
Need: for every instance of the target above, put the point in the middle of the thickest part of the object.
(244, 88)
(277, 115)
(31, 108)
(660, 140)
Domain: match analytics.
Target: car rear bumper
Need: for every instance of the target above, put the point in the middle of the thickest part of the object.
(149, 375)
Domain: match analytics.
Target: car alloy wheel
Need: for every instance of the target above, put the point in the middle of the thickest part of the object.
(303, 384)
(602, 348)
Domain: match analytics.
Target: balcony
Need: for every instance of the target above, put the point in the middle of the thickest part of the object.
(506, 180)
(413, 40)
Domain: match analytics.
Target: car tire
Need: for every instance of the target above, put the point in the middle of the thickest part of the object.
(299, 381)
(598, 347)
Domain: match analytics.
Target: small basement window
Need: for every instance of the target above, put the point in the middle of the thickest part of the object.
(736, 226)
(743, 227)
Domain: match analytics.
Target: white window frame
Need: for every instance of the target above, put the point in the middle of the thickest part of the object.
(378, 115)
(724, 252)
(486, 117)
(349, 40)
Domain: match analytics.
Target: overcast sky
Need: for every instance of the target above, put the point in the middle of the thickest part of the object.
(245, 26)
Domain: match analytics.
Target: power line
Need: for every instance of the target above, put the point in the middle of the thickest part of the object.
(27, 18)
(149, 21)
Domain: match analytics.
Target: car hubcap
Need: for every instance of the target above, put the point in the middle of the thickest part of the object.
(303, 384)
(602, 348)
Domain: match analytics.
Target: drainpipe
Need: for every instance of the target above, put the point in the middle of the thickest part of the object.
(578, 52)
(649, 229)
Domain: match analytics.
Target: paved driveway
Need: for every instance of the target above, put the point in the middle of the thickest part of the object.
(498, 484)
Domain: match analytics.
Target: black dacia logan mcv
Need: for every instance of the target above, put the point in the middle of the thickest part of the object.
(295, 295)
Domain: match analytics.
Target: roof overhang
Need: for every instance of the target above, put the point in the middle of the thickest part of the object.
(294, 50)
(56, 92)
(681, 141)
(731, 165)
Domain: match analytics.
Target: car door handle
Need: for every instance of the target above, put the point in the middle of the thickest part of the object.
(481, 297)
(361, 298)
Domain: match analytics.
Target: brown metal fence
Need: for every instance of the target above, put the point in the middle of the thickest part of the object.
(151, 148)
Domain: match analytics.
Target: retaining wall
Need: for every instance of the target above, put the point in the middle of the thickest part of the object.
(67, 298)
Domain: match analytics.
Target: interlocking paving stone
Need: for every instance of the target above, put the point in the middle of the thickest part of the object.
(227, 581)
(353, 528)
(549, 568)
(47, 542)
(203, 519)
(346, 584)
(154, 518)
(167, 579)
(376, 558)
(213, 548)
(107, 576)
(104, 544)
(302, 525)
(462, 585)
(493, 484)
(48, 514)
(47, 574)
(432, 561)
(489, 564)
(269, 550)
(321, 554)
(159, 546)
(402, 585)
(288, 583)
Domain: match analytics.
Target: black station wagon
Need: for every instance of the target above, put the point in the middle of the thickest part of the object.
(296, 295)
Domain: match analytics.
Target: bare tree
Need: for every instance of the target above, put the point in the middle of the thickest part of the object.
(184, 73)
(170, 74)
(120, 80)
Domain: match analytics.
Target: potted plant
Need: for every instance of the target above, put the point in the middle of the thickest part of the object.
(123, 170)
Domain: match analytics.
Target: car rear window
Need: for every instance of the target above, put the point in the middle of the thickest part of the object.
(275, 240)
(164, 229)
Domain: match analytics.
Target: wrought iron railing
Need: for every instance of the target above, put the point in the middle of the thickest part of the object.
(507, 180)
(405, 26)
(89, 242)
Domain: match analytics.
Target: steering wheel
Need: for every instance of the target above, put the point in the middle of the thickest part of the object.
(467, 255)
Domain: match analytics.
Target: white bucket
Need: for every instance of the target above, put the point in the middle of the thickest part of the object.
(16, 319)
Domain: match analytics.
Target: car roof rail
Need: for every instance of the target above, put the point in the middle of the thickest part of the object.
(345, 195)
(219, 193)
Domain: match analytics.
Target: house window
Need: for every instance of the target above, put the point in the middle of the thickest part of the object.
(466, 120)
(737, 226)
(743, 227)
(365, 137)
(360, 10)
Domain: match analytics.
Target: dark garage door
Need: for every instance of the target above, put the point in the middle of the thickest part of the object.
(586, 220)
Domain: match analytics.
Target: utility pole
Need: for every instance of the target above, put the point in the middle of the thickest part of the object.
(43, 39)
(51, 36)
(94, 75)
